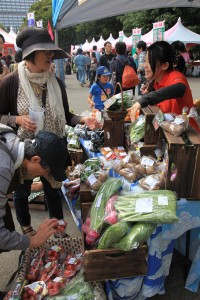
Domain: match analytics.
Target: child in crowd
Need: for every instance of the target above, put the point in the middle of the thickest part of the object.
(101, 90)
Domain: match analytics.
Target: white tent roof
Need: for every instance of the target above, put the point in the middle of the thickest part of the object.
(183, 34)
(86, 46)
(71, 12)
(9, 39)
(100, 43)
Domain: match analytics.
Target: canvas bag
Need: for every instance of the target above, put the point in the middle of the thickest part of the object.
(129, 77)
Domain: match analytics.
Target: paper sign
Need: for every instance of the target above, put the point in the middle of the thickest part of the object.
(92, 179)
(163, 200)
(144, 205)
(151, 181)
(146, 161)
(98, 203)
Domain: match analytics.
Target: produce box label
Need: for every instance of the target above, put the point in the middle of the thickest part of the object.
(151, 181)
(92, 179)
(144, 205)
(146, 161)
(163, 200)
(98, 203)
(72, 261)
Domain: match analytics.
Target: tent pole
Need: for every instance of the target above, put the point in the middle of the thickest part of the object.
(57, 60)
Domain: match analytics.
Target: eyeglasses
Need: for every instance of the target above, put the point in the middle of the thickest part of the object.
(48, 52)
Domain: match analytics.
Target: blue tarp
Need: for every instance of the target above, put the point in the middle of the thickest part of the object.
(60, 9)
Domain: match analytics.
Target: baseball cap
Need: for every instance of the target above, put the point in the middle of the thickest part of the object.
(102, 71)
(53, 150)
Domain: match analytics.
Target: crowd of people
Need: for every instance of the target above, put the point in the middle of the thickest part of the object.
(30, 80)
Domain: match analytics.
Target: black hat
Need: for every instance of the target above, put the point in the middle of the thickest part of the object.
(53, 150)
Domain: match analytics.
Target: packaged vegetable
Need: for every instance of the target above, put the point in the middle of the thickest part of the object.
(152, 182)
(135, 156)
(151, 206)
(137, 129)
(137, 235)
(108, 188)
(74, 143)
(35, 290)
(113, 234)
(130, 174)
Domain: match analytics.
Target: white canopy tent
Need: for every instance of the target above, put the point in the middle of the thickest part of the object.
(183, 34)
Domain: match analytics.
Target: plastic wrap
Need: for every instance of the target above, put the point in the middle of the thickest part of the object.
(152, 206)
(137, 130)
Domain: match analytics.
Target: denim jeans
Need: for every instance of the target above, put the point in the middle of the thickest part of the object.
(81, 74)
(53, 198)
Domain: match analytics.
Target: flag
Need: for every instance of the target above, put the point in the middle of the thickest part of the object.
(39, 23)
(31, 18)
(50, 30)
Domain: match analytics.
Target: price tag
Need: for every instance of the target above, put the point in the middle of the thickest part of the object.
(79, 255)
(122, 153)
(92, 179)
(58, 279)
(98, 203)
(151, 181)
(163, 200)
(120, 148)
(169, 117)
(61, 222)
(144, 205)
(146, 161)
(56, 248)
(72, 261)
(73, 141)
(33, 261)
(178, 121)
(88, 169)
(47, 265)
(126, 159)
(34, 286)
(107, 149)
(71, 297)
(109, 155)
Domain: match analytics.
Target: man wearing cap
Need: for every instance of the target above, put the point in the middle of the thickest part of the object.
(27, 160)
(101, 90)
(33, 84)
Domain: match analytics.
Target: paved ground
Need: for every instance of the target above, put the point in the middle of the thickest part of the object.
(8, 261)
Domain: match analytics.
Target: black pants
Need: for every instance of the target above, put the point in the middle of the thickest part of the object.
(53, 197)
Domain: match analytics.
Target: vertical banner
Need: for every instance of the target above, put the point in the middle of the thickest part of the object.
(31, 18)
(121, 36)
(158, 31)
(39, 23)
(136, 37)
(50, 31)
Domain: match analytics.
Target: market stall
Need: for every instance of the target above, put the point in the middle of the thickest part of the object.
(130, 214)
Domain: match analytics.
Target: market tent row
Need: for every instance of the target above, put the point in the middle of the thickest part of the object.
(71, 12)
(177, 32)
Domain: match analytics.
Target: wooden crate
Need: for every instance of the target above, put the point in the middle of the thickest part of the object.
(77, 156)
(113, 132)
(85, 194)
(186, 158)
(110, 263)
(151, 136)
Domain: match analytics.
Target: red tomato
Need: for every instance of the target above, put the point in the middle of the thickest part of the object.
(70, 267)
(69, 273)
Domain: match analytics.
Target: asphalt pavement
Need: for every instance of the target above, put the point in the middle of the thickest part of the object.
(77, 97)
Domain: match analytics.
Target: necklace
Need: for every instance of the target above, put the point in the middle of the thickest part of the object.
(38, 89)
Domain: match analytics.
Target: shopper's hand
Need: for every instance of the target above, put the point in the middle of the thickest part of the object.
(92, 123)
(92, 105)
(134, 110)
(26, 123)
(44, 231)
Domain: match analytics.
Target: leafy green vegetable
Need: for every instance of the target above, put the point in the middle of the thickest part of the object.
(136, 236)
(108, 188)
(151, 206)
(77, 286)
(137, 129)
(117, 104)
(113, 234)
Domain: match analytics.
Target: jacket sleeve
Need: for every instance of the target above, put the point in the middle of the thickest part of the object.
(8, 240)
(71, 119)
(170, 92)
(8, 103)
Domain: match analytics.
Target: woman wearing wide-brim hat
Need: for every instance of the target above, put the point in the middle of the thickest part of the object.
(33, 84)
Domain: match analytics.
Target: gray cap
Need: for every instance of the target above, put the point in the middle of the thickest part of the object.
(42, 41)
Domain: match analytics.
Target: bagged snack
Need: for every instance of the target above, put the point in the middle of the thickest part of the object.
(152, 182)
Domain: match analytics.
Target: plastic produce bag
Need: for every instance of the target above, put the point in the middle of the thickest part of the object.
(137, 235)
(137, 129)
(152, 206)
(74, 143)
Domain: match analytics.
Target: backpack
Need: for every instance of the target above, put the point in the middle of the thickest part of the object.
(8, 220)
(129, 77)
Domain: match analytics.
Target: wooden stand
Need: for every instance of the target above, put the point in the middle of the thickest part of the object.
(113, 132)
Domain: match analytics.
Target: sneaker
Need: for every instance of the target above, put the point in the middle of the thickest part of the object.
(28, 230)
